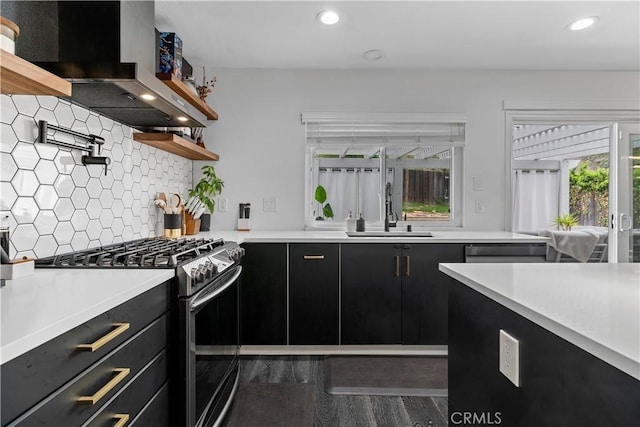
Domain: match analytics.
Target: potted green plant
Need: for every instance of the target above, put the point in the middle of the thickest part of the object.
(206, 190)
(321, 197)
(565, 222)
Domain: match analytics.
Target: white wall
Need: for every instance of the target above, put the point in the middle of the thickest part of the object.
(261, 142)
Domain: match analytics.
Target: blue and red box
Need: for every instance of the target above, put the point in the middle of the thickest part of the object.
(170, 54)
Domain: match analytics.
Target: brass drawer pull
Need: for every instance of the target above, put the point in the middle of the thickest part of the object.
(123, 419)
(397, 266)
(408, 272)
(92, 400)
(316, 257)
(120, 328)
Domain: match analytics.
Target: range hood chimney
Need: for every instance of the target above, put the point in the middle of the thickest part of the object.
(107, 49)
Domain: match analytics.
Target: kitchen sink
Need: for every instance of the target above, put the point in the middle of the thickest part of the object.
(389, 233)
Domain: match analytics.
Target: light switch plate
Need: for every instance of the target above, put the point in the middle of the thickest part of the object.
(477, 184)
(510, 357)
(222, 204)
(269, 204)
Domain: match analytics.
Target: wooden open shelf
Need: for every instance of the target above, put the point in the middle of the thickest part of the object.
(175, 144)
(21, 77)
(181, 89)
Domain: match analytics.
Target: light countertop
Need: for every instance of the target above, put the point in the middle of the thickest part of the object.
(50, 302)
(322, 236)
(594, 306)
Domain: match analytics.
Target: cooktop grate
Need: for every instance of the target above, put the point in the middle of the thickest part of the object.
(141, 253)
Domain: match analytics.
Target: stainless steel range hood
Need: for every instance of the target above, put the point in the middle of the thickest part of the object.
(107, 49)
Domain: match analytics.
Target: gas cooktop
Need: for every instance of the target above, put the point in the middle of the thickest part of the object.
(142, 253)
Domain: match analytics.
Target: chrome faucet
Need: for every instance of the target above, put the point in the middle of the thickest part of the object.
(389, 219)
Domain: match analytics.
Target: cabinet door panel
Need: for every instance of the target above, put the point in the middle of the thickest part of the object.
(425, 292)
(263, 294)
(371, 294)
(313, 293)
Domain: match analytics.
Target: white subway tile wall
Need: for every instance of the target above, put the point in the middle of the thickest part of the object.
(54, 204)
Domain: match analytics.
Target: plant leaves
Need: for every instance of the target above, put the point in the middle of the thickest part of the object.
(327, 211)
(321, 194)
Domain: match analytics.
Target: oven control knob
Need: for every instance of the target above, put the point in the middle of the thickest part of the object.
(201, 274)
(237, 253)
(210, 269)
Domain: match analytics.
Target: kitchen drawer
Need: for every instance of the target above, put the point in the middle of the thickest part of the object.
(133, 398)
(62, 408)
(29, 378)
(157, 411)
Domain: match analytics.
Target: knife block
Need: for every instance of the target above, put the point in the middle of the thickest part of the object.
(193, 225)
(244, 224)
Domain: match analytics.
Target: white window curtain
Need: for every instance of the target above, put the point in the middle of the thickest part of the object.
(536, 196)
(354, 190)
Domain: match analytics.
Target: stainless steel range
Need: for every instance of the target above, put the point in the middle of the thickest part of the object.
(207, 282)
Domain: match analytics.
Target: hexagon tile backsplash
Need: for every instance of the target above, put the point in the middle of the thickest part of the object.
(55, 204)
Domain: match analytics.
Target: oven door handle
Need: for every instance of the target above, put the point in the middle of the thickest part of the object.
(201, 301)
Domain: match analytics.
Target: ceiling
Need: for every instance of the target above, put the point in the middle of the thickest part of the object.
(431, 35)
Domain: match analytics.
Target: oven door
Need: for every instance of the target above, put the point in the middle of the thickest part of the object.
(209, 343)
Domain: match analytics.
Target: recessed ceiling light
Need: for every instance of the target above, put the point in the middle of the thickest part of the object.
(583, 23)
(373, 55)
(328, 17)
(182, 118)
(147, 97)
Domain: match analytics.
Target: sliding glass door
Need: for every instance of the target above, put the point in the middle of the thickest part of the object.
(625, 209)
(582, 176)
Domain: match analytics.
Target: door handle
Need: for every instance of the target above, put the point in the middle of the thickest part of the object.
(121, 420)
(397, 266)
(120, 328)
(316, 257)
(624, 217)
(95, 398)
(408, 271)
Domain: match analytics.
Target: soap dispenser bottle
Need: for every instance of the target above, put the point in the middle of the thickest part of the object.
(360, 223)
(351, 223)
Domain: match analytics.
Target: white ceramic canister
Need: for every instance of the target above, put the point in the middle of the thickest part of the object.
(9, 31)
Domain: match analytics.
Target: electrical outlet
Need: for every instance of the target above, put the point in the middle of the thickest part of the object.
(269, 204)
(222, 204)
(480, 206)
(510, 357)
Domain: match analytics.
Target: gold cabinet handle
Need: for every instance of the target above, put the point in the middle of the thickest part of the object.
(397, 266)
(123, 419)
(92, 400)
(120, 328)
(316, 257)
(408, 272)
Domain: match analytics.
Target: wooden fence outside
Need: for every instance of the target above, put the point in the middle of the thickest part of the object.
(425, 186)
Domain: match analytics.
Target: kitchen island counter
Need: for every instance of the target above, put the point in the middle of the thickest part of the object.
(50, 302)
(595, 306)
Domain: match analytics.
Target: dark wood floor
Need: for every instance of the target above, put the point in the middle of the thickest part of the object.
(347, 411)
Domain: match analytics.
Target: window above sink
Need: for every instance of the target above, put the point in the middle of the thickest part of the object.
(420, 154)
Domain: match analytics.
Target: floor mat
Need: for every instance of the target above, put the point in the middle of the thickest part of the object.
(273, 405)
(387, 375)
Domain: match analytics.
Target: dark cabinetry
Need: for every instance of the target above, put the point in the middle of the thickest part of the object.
(394, 293)
(87, 373)
(313, 293)
(561, 384)
(263, 294)
(371, 303)
(425, 293)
